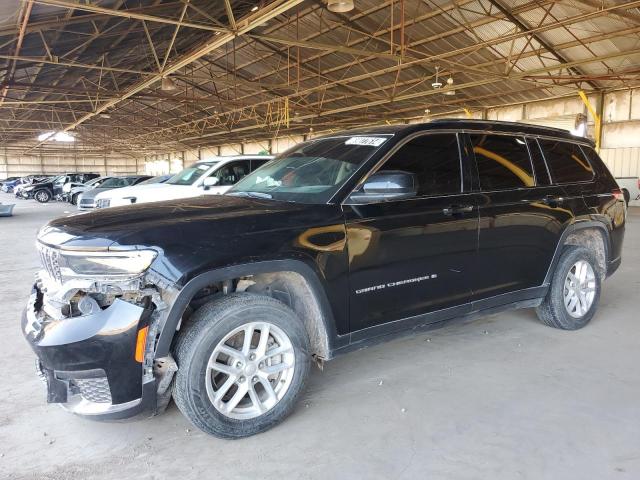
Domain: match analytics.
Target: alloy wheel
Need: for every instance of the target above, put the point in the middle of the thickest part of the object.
(42, 196)
(579, 289)
(250, 370)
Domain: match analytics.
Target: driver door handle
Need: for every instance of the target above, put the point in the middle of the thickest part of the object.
(457, 209)
(553, 201)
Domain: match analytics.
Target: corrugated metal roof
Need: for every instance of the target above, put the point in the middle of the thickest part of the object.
(239, 88)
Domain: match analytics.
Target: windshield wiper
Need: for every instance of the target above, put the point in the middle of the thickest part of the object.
(250, 194)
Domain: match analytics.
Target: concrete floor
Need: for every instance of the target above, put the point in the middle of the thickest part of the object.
(503, 397)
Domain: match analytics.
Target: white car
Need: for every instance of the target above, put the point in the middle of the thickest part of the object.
(209, 177)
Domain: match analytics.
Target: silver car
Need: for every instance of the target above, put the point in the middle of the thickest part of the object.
(86, 200)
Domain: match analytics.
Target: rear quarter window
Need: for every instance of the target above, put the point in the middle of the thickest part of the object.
(566, 162)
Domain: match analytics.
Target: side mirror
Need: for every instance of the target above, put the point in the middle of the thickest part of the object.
(210, 182)
(386, 185)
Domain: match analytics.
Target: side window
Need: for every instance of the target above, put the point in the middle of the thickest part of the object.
(230, 173)
(566, 162)
(257, 163)
(539, 167)
(503, 161)
(434, 160)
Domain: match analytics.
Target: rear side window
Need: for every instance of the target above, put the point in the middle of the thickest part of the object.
(503, 161)
(566, 162)
(539, 166)
(434, 159)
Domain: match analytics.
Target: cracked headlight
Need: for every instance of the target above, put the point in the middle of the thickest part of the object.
(126, 263)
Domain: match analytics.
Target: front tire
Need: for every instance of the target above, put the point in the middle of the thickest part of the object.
(243, 361)
(574, 293)
(42, 196)
(74, 199)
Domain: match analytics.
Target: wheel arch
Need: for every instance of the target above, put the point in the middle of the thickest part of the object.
(584, 233)
(312, 305)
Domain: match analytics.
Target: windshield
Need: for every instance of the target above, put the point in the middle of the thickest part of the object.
(189, 175)
(158, 179)
(115, 183)
(310, 172)
(95, 180)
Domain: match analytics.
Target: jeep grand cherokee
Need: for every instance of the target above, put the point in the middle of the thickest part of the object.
(222, 303)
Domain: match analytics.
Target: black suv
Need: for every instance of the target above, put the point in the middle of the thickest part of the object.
(224, 302)
(45, 191)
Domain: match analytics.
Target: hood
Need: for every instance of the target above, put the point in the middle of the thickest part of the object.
(205, 219)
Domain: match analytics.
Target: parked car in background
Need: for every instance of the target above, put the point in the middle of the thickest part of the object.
(8, 179)
(337, 244)
(76, 189)
(9, 185)
(630, 187)
(45, 191)
(211, 177)
(86, 200)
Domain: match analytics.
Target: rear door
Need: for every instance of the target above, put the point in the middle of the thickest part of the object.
(521, 215)
(408, 257)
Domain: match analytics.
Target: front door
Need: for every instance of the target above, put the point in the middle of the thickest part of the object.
(413, 256)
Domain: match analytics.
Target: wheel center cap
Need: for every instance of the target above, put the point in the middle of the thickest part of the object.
(250, 369)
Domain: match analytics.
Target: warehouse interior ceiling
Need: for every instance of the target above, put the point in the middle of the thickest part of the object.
(157, 75)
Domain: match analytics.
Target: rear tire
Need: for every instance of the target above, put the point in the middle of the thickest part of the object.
(574, 292)
(216, 365)
(74, 199)
(42, 196)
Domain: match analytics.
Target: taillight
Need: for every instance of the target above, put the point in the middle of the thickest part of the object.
(618, 194)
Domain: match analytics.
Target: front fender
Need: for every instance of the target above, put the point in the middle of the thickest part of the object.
(271, 266)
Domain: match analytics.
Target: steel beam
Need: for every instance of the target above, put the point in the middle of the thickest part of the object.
(127, 14)
(25, 13)
(218, 40)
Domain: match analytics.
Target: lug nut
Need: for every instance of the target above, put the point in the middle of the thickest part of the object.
(255, 379)
(252, 356)
(261, 365)
(241, 380)
(239, 365)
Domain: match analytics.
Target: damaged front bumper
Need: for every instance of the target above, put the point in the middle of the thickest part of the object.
(89, 358)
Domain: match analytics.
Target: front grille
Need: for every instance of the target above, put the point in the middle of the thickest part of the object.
(103, 203)
(94, 389)
(50, 259)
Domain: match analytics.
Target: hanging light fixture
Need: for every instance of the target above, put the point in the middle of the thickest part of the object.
(168, 84)
(340, 6)
(449, 91)
(437, 84)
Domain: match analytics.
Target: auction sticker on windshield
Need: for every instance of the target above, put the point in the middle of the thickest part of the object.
(366, 141)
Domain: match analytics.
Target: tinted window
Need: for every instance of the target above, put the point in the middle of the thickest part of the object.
(566, 162)
(433, 159)
(230, 173)
(255, 164)
(539, 167)
(503, 161)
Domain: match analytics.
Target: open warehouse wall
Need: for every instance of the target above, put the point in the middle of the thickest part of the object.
(620, 133)
(15, 161)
